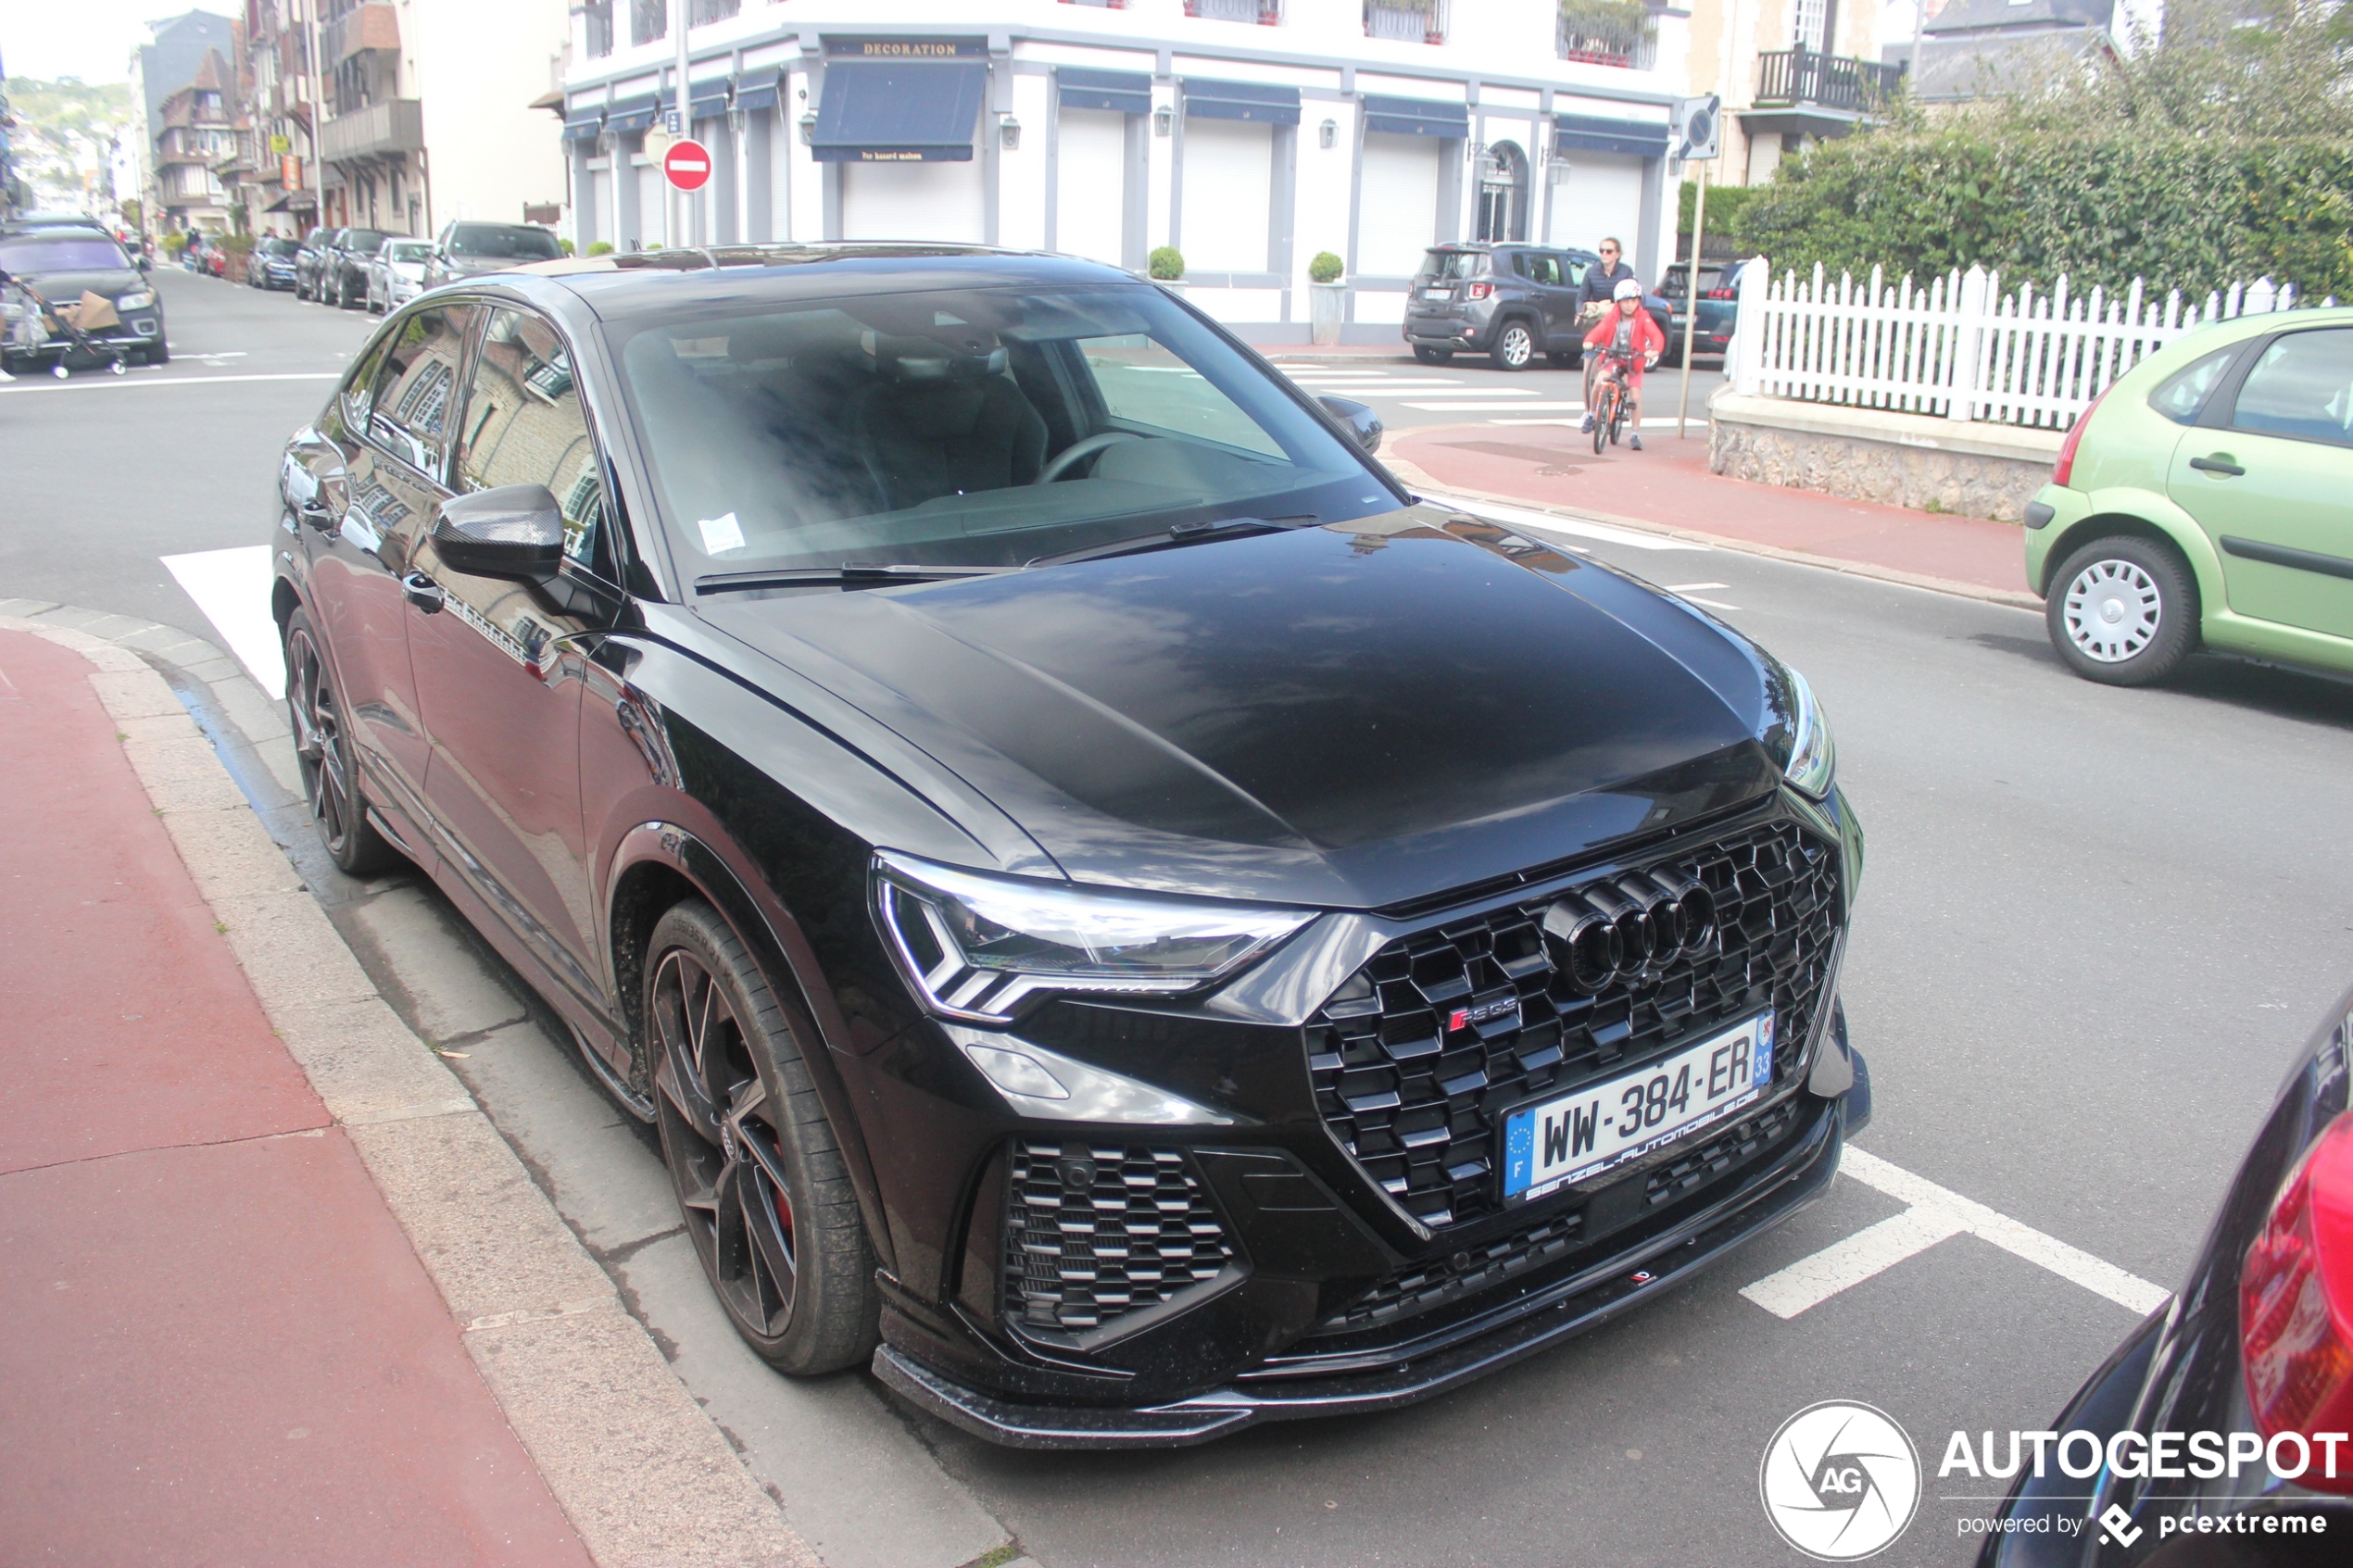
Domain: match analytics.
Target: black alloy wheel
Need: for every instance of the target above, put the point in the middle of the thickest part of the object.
(1515, 347)
(760, 1179)
(330, 783)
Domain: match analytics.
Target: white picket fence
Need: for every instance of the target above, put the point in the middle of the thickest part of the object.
(1958, 347)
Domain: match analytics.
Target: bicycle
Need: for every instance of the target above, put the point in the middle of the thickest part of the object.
(1609, 402)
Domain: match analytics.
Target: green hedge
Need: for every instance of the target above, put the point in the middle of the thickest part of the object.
(2103, 206)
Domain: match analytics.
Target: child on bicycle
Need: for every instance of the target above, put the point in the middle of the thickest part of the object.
(1629, 342)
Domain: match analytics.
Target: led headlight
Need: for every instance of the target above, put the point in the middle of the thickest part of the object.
(1802, 738)
(137, 299)
(975, 948)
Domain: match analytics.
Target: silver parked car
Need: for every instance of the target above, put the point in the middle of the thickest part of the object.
(397, 273)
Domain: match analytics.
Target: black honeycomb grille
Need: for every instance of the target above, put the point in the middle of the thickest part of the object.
(1418, 1102)
(1095, 1232)
(1689, 1172)
(1460, 1273)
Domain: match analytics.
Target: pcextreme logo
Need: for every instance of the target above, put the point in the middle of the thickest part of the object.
(1839, 1481)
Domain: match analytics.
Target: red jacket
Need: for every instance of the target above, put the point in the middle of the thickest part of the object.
(1648, 339)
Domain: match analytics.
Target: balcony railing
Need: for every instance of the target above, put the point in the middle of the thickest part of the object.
(1609, 32)
(1788, 78)
(1265, 13)
(378, 130)
(1407, 22)
(374, 24)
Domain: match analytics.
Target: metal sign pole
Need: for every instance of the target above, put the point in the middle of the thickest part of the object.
(681, 230)
(1690, 304)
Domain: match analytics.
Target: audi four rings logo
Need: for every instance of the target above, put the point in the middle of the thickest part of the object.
(1615, 930)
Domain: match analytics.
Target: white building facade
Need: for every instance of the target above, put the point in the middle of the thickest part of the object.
(1249, 134)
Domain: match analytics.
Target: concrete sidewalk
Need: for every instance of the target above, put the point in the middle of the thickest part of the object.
(277, 1292)
(1667, 488)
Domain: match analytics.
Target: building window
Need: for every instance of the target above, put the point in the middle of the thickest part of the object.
(599, 14)
(648, 20)
(1813, 25)
(1407, 22)
(702, 11)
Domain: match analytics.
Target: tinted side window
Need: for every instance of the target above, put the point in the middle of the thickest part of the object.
(524, 425)
(1537, 269)
(409, 415)
(358, 386)
(2182, 395)
(2301, 386)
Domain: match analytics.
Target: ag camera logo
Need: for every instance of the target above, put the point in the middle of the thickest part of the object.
(1839, 1481)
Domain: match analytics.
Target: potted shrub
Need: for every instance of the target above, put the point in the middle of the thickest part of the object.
(1327, 298)
(1166, 265)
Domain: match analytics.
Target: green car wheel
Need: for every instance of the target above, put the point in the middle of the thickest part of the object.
(2123, 610)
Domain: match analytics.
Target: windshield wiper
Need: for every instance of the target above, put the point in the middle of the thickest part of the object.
(848, 573)
(1181, 533)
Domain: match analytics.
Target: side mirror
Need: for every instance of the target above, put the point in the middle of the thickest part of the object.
(514, 533)
(1362, 423)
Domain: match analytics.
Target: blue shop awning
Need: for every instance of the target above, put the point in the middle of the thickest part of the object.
(632, 114)
(584, 124)
(1242, 100)
(899, 111)
(1593, 134)
(758, 90)
(1122, 92)
(1416, 117)
(706, 100)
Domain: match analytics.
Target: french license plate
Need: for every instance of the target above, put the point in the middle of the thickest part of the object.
(1549, 1145)
(1438, 293)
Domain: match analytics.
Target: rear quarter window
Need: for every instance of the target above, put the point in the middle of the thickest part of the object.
(2182, 396)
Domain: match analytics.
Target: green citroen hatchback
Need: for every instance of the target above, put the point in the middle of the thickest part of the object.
(2207, 497)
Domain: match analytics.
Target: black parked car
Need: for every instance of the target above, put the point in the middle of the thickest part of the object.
(61, 263)
(310, 261)
(1509, 302)
(469, 249)
(1098, 887)
(2258, 1345)
(272, 263)
(343, 266)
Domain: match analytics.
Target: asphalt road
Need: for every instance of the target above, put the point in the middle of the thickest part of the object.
(2094, 926)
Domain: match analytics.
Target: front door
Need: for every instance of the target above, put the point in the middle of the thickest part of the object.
(2274, 486)
(499, 665)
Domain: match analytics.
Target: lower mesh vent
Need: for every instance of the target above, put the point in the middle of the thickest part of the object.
(1096, 1232)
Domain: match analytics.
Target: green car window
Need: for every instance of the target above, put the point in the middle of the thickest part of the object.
(2303, 387)
(2182, 396)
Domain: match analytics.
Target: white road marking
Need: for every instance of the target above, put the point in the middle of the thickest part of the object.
(83, 383)
(1935, 1213)
(1712, 604)
(1809, 1281)
(1490, 392)
(1467, 407)
(1400, 388)
(231, 587)
(1546, 522)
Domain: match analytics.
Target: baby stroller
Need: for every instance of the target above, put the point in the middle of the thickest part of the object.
(32, 330)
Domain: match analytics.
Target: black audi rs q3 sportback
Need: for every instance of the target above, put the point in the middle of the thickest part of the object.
(1122, 915)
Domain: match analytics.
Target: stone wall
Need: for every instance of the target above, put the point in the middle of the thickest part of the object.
(1912, 460)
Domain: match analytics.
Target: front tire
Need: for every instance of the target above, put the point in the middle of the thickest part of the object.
(1515, 347)
(2123, 610)
(752, 1156)
(322, 752)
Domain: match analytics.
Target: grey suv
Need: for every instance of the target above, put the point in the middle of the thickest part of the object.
(1509, 302)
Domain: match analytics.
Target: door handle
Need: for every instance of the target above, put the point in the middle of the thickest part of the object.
(423, 592)
(2218, 463)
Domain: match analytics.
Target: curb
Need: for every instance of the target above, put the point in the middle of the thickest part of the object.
(1417, 477)
(639, 1468)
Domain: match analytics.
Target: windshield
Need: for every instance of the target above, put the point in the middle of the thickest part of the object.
(276, 246)
(36, 254)
(973, 428)
(410, 250)
(521, 243)
(1452, 264)
(362, 239)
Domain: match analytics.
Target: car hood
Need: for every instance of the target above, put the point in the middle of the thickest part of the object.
(64, 288)
(1345, 716)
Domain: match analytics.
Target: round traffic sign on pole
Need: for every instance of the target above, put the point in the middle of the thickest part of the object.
(686, 164)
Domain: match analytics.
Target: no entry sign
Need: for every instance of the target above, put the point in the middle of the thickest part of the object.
(686, 164)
